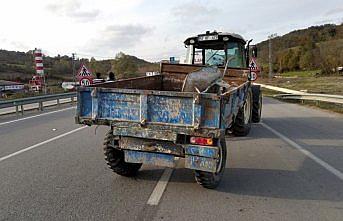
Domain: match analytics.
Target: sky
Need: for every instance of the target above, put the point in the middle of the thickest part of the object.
(149, 29)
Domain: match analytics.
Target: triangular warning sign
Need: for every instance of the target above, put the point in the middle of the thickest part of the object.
(84, 71)
(253, 65)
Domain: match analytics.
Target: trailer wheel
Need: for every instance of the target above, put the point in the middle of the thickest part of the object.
(211, 180)
(257, 103)
(115, 158)
(242, 124)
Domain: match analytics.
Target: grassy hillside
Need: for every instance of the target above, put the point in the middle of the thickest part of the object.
(317, 47)
(19, 66)
(314, 48)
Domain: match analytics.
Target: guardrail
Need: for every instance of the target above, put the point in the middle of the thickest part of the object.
(36, 100)
(313, 97)
(300, 95)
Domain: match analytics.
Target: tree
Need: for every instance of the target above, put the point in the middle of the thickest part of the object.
(124, 66)
(306, 60)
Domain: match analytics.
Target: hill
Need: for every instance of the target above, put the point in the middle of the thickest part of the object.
(19, 66)
(317, 47)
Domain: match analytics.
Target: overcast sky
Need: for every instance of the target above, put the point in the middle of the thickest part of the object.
(149, 29)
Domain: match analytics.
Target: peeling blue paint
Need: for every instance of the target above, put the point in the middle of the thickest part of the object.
(157, 159)
(153, 108)
(173, 110)
(119, 106)
(201, 163)
(203, 151)
(85, 104)
(210, 113)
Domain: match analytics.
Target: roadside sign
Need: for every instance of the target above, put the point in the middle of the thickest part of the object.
(85, 82)
(84, 76)
(253, 76)
(254, 69)
(84, 71)
(253, 65)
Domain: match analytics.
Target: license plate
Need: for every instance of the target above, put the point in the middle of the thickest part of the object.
(208, 38)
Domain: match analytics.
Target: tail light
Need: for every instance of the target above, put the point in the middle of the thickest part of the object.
(201, 141)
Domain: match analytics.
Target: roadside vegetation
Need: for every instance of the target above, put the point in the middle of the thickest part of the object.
(314, 48)
(306, 60)
(19, 66)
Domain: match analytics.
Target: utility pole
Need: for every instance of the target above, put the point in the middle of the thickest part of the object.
(73, 64)
(270, 37)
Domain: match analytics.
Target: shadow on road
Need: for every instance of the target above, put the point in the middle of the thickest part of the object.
(277, 184)
(272, 183)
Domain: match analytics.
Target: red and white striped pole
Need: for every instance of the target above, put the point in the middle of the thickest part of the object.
(40, 66)
(39, 62)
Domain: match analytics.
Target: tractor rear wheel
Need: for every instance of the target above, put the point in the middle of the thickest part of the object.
(211, 180)
(257, 103)
(115, 158)
(242, 123)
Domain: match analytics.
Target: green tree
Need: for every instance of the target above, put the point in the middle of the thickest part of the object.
(123, 66)
(101, 67)
(306, 60)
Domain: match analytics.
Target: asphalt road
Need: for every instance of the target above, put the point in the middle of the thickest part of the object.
(288, 168)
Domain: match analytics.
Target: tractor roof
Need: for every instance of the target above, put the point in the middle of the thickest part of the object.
(200, 40)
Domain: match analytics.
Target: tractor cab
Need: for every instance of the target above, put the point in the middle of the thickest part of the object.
(217, 49)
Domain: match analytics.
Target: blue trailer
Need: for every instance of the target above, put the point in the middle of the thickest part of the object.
(157, 120)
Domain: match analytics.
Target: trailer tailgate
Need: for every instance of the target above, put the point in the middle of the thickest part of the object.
(149, 107)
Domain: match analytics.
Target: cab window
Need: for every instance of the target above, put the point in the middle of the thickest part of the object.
(235, 55)
(214, 57)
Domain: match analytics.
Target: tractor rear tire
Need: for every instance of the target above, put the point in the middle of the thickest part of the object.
(115, 158)
(257, 103)
(211, 180)
(242, 124)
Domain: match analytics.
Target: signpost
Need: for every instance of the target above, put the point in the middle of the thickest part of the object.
(84, 76)
(254, 69)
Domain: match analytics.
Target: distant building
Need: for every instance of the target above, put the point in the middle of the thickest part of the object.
(10, 87)
(151, 73)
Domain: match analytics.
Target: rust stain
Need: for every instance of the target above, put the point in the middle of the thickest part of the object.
(175, 108)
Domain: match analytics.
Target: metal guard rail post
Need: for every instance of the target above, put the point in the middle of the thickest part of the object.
(34, 100)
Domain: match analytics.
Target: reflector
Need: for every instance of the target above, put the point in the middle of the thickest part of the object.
(201, 141)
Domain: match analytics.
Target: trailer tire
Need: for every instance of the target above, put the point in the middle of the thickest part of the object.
(257, 103)
(115, 158)
(242, 123)
(211, 180)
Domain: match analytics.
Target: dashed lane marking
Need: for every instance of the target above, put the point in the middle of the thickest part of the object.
(40, 144)
(160, 187)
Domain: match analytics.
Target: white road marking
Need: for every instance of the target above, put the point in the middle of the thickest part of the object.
(40, 144)
(160, 187)
(38, 115)
(327, 166)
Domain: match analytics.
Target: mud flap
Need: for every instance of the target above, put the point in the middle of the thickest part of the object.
(157, 159)
(202, 158)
